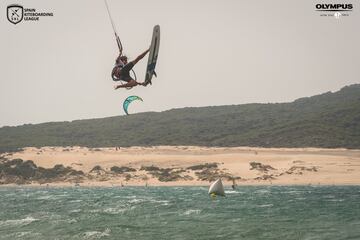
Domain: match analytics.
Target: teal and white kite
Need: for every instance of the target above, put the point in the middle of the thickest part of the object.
(128, 100)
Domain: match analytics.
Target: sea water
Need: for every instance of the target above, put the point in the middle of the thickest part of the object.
(249, 212)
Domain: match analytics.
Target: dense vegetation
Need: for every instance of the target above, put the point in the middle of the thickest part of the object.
(21, 172)
(326, 120)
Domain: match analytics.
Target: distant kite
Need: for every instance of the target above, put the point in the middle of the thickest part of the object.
(128, 100)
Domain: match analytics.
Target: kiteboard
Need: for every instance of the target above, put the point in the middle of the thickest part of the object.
(153, 55)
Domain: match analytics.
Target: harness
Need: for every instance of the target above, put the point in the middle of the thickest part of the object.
(114, 78)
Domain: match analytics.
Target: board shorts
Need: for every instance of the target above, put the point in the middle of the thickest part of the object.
(125, 72)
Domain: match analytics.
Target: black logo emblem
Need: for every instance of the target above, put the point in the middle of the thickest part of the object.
(15, 13)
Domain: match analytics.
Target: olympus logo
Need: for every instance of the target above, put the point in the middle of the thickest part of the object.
(334, 7)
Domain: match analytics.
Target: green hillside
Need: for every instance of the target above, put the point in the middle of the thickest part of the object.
(327, 120)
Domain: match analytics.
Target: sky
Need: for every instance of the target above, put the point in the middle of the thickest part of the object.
(212, 52)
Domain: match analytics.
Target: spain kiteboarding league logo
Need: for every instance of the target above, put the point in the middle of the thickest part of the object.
(15, 13)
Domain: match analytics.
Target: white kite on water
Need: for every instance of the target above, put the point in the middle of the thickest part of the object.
(217, 188)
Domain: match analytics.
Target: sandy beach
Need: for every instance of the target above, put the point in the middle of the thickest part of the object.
(242, 165)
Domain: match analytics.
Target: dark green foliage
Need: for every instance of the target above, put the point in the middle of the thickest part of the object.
(56, 172)
(127, 177)
(165, 174)
(168, 176)
(121, 170)
(97, 168)
(212, 174)
(327, 120)
(208, 175)
(203, 166)
(17, 167)
(149, 168)
(19, 171)
(260, 167)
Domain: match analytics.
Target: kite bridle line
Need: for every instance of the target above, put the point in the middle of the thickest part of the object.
(118, 41)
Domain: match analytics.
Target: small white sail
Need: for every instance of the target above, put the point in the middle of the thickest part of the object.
(217, 188)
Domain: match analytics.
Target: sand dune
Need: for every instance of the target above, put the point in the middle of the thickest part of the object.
(247, 165)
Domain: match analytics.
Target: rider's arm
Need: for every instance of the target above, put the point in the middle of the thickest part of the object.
(140, 57)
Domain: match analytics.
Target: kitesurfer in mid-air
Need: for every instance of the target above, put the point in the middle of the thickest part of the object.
(122, 69)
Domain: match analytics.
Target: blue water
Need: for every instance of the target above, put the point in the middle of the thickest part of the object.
(276, 212)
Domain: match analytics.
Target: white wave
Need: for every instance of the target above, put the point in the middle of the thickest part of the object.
(22, 235)
(75, 211)
(335, 200)
(136, 200)
(294, 192)
(95, 210)
(262, 191)
(231, 192)
(131, 197)
(17, 222)
(58, 196)
(191, 211)
(71, 220)
(160, 201)
(265, 205)
(97, 234)
(46, 197)
(115, 210)
(329, 196)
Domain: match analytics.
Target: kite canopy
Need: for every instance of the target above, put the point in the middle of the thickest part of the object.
(128, 100)
(216, 188)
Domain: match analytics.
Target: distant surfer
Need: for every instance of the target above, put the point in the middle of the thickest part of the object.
(122, 69)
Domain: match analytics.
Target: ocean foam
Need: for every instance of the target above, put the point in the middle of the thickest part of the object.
(17, 222)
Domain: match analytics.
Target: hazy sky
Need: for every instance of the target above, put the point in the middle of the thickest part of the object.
(212, 52)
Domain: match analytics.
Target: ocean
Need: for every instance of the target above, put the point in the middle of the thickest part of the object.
(248, 212)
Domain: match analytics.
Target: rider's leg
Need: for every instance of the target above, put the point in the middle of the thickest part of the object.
(131, 83)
